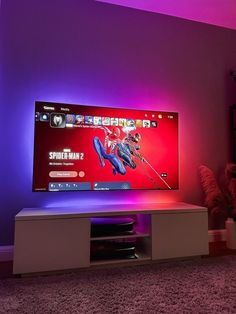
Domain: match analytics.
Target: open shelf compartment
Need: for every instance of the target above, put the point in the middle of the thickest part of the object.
(112, 248)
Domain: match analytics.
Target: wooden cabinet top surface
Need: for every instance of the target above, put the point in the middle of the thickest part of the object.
(88, 210)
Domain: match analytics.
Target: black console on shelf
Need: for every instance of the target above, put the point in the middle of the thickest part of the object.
(120, 248)
(101, 226)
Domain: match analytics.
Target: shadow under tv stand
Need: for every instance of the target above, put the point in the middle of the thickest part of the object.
(55, 239)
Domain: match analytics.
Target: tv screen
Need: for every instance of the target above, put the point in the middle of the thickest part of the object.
(80, 147)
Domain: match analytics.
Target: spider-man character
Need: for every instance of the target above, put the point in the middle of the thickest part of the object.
(108, 150)
(128, 148)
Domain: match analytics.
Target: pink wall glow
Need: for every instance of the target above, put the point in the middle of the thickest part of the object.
(217, 12)
(89, 52)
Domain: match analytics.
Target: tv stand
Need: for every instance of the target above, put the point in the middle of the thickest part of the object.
(52, 239)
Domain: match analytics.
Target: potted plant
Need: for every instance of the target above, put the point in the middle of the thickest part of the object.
(221, 201)
(230, 223)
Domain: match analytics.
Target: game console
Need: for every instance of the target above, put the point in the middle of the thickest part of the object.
(106, 226)
(112, 250)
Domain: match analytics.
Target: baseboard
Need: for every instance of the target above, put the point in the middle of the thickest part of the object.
(6, 253)
(217, 235)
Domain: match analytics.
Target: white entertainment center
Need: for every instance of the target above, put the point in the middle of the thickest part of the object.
(53, 239)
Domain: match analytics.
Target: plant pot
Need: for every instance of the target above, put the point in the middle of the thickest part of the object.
(230, 226)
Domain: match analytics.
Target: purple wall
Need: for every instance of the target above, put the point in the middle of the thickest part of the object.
(88, 52)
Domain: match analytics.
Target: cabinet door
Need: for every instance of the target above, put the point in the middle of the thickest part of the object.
(179, 234)
(51, 244)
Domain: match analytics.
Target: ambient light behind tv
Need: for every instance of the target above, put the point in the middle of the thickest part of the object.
(97, 148)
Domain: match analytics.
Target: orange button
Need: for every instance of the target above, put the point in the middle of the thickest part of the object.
(63, 174)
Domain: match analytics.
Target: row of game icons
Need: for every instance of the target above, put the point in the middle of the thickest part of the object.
(61, 120)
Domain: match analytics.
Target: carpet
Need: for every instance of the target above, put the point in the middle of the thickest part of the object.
(205, 285)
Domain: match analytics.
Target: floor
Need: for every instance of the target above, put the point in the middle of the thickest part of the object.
(215, 249)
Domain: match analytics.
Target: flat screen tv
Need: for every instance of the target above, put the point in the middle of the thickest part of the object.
(78, 148)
